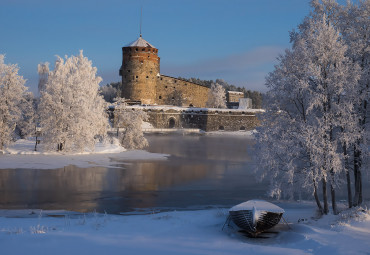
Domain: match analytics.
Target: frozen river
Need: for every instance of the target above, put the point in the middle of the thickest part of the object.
(202, 171)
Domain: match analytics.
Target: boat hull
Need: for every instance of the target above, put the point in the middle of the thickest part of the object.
(248, 221)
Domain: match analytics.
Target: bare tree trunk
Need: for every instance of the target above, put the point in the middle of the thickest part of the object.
(358, 179)
(333, 200)
(325, 196)
(36, 144)
(349, 190)
(346, 166)
(317, 198)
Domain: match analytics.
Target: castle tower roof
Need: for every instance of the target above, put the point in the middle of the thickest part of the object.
(140, 42)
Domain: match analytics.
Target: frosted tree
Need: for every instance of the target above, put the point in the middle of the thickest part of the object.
(26, 125)
(71, 111)
(131, 120)
(12, 91)
(109, 93)
(353, 22)
(216, 97)
(43, 70)
(313, 87)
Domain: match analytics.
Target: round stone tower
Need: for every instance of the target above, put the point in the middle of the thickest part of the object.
(140, 66)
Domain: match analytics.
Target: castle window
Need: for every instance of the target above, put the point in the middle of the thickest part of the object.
(164, 86)
(137, 49)
(128, 71)
(175, 81)
(147, 77)
(162, 79)
(148, 56)
(173, 98)
(160, 97)
(137, 76)
(143, 49)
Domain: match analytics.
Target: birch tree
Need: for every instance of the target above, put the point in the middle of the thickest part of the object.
(353, 23)
(311, 114)
(72, 113)
(12, 92)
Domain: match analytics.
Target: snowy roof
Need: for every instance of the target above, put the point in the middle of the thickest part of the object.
(235, 92)
(140, 42)
(259, 205)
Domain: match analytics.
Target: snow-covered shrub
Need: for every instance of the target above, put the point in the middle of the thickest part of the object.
(131, 120)
(72, 113)
(38, 229)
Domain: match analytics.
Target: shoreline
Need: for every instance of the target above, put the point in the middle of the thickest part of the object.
(182, 232)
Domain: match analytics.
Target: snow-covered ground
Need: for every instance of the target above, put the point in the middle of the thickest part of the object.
(22, 155)
(180, 232)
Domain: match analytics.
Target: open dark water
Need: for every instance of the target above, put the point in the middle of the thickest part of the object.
(202, 171)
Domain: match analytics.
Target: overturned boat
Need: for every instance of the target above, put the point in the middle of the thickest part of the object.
(255, 216)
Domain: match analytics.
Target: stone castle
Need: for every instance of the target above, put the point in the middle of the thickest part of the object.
(143, 83)
(144, 86)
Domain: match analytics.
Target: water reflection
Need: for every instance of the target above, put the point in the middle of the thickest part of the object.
(202, 171)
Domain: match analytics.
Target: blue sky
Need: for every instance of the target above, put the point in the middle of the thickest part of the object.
(234, 40)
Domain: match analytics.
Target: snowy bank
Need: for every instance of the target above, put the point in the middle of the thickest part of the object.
(179, 232)
(22, 155)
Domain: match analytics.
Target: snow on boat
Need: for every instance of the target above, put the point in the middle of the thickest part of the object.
(256, 216)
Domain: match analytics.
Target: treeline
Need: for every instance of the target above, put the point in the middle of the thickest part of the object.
(256, 96)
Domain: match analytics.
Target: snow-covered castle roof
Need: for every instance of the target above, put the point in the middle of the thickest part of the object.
(140, 42)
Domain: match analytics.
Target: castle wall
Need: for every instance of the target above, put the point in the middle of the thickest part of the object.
(204, 119)
(174, 91)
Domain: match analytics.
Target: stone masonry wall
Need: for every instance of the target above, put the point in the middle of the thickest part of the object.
(174, 91)
(207, 120)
